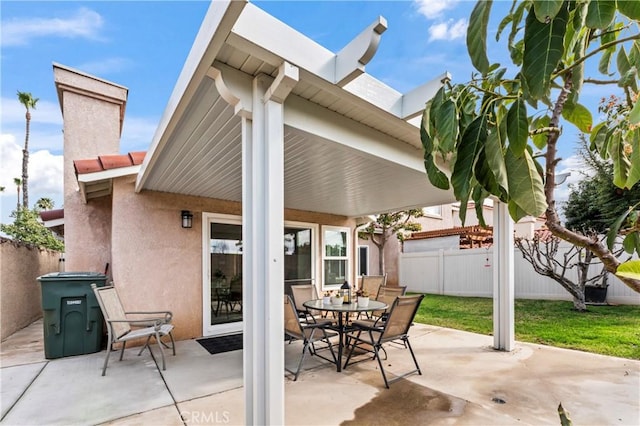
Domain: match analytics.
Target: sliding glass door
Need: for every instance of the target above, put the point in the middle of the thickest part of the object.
(222, 268)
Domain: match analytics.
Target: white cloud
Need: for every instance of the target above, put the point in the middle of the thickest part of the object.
(45, 112)
(46, 124)
(448, 30)
(45, 175)
(432, 9)
(105, 66)
(85, 23)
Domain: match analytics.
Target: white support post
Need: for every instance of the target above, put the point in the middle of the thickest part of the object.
(263, 256)
(503, 278)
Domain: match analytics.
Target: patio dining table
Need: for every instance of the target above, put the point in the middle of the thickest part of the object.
(343, 312)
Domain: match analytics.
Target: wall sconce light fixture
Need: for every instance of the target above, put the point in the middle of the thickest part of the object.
(187, 219)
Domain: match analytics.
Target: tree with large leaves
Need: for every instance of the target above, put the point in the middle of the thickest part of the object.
(386, 225)
(29, 103)
(495, 129)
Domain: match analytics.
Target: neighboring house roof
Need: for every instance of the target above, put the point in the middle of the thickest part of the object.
(95, 175)
(470, 236)
(54, 220)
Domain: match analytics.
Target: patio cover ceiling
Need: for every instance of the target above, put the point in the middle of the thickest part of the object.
(352, 144)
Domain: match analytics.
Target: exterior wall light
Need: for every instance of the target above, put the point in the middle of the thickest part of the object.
(187, 219)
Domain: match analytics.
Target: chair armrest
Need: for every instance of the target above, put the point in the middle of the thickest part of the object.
(155, 323)
(167, 315)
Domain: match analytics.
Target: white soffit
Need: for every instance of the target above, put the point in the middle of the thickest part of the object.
(351, 146)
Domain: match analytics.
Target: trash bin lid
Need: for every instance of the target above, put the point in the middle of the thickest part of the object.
(72, 276)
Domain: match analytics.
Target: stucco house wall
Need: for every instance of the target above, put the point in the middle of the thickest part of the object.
(157, 264)
(92, 110)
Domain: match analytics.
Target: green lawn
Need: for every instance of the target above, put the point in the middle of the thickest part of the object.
(607, 330)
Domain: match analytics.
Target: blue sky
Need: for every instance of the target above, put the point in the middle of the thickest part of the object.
(143, 45)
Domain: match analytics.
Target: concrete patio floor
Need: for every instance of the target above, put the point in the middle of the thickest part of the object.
(462, 380)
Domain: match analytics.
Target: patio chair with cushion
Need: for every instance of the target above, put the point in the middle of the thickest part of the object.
(302, 293)
(309, 333)
(372, 283)
(121, 327)
(396, 327)
(386, 294)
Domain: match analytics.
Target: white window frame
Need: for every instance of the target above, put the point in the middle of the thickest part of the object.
(314, 227)
(428, 212)
(348, 258)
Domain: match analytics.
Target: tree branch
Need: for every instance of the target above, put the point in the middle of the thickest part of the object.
(603, 82)
(594, 52)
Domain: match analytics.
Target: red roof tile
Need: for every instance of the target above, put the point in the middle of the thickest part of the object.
(52, 214)
(108, 162)
(87, 166)
(137, 157)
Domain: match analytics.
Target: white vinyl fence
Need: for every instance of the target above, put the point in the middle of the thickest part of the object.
(470, 273)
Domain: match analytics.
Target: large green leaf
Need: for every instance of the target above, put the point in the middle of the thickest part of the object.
(598, 137)
(518, 127)
(605, 60)
(525, 184)
(543, 49)
(578, 115)
(628, 72)
(630, 242)
(477, 35)
(634, 114)
(629, 269)
(495, 159)
(478, 197)
(633, 176)
(425, 136)
(621, 164)
(472, 140)
(634, 54)
(630, 8)
(515, 211)
(600, 13)
(615, 228)
(622, 60)
(435, 175)
(446, 123)
(547, 9)
(484, 175)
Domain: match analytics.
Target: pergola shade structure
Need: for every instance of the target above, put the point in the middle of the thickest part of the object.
(347, 145)
(263, 115)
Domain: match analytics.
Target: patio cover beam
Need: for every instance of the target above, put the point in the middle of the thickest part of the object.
(263, 266)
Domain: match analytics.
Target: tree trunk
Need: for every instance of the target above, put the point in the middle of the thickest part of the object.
(579, 303)
(25, 163)
(608, 259)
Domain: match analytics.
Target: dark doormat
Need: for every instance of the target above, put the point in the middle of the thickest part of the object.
(216, 345)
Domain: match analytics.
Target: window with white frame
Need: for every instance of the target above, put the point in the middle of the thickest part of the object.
(335, 255)
(363, 260)
(433, 211)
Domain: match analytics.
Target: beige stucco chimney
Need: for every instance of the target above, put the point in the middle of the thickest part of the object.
(93, 113)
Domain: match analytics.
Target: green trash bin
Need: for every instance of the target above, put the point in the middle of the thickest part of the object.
(73, 322)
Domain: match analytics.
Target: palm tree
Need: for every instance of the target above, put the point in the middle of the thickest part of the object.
(44, 203)
(29, 102)
(18, 183)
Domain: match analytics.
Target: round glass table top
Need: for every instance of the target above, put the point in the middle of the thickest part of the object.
(373, 305)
